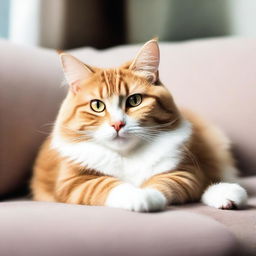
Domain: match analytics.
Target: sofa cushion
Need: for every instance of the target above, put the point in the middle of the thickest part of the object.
(46, 217)
(242, 223)
(30, 95)
(217, 78)
(34, 228)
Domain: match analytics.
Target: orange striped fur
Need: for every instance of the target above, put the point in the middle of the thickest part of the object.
(60, 178)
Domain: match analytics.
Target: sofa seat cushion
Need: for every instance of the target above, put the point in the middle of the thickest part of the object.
(192, 229)
(242, 223)
(37, 228)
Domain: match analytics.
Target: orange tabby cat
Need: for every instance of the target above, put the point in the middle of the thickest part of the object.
(119, 140)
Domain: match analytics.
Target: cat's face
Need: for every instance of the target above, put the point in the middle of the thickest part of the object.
(118, 108)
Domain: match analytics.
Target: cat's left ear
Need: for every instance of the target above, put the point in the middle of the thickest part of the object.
(146, 62)
(75, 71)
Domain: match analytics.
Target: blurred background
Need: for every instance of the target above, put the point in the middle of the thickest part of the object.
(66, 24)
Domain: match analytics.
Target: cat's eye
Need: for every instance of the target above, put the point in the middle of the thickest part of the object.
(97, 106)
(134, 100)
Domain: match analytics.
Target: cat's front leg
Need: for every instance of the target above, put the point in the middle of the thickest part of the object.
(225, 196)
(182, 187)
(128, 197)
(85, 189)
(90, 189)
(177, 186)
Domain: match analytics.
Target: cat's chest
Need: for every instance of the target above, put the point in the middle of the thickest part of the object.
(134, 168)
(164, 154)
(139, 168)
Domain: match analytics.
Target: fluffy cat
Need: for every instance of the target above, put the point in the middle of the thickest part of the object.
(119, 140)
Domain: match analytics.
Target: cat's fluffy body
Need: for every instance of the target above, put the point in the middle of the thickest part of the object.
(160, 155)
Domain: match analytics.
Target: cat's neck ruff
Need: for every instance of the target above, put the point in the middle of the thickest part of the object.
(161, 155)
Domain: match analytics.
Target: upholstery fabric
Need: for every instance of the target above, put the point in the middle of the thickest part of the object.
(30, 95)
(34, 228)
(65, 229)
(242, 223)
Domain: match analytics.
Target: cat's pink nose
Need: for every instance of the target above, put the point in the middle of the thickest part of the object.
(118, 125)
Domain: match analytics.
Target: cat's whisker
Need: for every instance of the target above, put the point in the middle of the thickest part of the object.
(154, 129)
(43, 126)
(82, 138)
(43, 132)
(144, 136)
(162, 125)
(48, 124)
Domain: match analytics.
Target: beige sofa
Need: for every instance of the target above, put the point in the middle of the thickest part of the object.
(216, 78)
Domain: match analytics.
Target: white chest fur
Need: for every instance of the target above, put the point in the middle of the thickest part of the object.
(159, 156)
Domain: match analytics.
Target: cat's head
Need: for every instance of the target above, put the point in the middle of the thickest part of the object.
(118, 108)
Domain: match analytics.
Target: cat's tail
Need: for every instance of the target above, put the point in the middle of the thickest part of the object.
(225, 195)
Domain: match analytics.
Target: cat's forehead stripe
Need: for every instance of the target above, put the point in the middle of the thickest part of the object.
(117, 79)
(106, 82)
(112, 83)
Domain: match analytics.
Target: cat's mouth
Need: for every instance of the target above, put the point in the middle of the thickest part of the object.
(117, 138)
(121, 142)
(121, 139)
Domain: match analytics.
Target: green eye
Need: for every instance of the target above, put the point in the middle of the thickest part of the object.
(97, 106)
(134, 100)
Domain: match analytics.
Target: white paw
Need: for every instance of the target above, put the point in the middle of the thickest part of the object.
(128, 197)
(225, 196)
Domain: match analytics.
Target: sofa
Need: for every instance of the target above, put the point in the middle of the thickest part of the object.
(215, 77)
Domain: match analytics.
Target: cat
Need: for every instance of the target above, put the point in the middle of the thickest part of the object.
(119, 140)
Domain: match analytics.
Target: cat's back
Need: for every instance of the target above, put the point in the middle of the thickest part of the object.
(211, 146)
(45, 172)
(205, 129)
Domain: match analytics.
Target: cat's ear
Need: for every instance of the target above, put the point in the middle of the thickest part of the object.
(75, 71)
(146, 62)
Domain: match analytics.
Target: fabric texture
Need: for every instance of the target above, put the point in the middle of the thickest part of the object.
(242, 223)
(30, 95)
(33, 228)
(65, 229)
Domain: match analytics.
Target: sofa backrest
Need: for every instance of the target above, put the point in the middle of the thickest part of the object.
(30, 95)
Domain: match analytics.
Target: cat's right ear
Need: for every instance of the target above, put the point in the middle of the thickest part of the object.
(147, 61)
(74, 70)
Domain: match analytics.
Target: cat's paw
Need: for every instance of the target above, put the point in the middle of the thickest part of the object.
(225, 196)
(128, 197)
